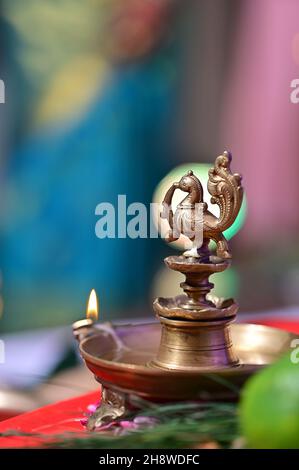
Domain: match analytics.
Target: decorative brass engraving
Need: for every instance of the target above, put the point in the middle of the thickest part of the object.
(226, 191)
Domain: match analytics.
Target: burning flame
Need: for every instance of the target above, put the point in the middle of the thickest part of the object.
(92, 306)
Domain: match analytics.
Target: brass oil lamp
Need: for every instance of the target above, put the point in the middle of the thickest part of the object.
(194, 352)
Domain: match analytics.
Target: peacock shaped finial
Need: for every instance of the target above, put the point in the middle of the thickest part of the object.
(192, 217)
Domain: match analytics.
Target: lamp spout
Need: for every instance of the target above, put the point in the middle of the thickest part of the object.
(83, 329)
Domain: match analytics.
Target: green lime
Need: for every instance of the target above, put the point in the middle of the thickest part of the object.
(269, 408)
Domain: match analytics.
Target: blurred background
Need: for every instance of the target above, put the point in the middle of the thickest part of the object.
(106, 97)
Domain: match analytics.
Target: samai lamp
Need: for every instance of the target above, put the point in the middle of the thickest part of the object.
(194, 352)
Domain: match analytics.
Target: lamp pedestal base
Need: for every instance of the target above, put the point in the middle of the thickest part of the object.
(195, 325)
(195, 345)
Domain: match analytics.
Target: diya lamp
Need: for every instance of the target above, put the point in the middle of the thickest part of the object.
(194, 351)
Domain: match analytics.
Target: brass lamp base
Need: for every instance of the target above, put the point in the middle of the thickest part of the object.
(195, 345)
(122, 357)
(195, 353)
(195, 329)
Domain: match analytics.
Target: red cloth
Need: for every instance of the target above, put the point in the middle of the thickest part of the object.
(287, 325)
(64, 417)
(58, 418)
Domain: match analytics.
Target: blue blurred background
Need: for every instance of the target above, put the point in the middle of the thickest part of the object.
(105, 97)
(90, 100)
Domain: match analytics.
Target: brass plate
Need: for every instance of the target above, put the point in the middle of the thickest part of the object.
(119, 357)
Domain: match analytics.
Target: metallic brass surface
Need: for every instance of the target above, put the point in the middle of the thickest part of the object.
(195, 352)
(121, 360)
(198, 345)
(226, 191)
(111, 407)
(176, 308)
(83, 328)
(195, 326)
(195, 304)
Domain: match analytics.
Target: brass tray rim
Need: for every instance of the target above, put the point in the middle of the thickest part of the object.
(155, 371)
